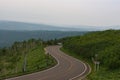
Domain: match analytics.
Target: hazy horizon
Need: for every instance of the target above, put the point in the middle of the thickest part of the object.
(16, 25)
(62, 12)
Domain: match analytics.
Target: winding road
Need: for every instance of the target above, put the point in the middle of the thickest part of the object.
(68, 68)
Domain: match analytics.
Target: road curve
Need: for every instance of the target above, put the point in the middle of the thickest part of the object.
(68, 68)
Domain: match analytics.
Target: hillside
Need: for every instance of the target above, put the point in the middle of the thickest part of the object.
(102, 46)
(24, 57)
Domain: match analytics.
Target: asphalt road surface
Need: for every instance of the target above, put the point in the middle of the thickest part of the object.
(68, 68)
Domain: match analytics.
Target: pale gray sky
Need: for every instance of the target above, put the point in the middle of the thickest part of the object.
(62, 12)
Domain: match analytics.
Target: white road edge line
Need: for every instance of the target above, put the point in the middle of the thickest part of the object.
(83, 71)
(88, 73)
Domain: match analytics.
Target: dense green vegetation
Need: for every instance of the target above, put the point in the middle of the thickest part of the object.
(24, 57)
(104, 44)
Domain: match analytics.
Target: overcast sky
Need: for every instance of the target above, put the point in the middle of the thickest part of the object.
(62, 12)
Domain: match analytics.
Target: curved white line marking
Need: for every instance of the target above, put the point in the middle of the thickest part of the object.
(82, 72)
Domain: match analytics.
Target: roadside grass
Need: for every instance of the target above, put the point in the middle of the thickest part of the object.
(36, 61)
(102, 74)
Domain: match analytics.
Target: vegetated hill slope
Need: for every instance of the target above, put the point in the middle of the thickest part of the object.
(106, 44)
(8, 37)
(103, 46)
(24, 57)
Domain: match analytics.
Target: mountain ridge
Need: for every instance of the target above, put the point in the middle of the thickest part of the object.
(14, 25)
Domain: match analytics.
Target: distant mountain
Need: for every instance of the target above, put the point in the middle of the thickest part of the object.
(8, 37)
(12, 25)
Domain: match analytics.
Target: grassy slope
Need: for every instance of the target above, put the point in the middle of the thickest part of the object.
(37, 60)
(102, 43)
